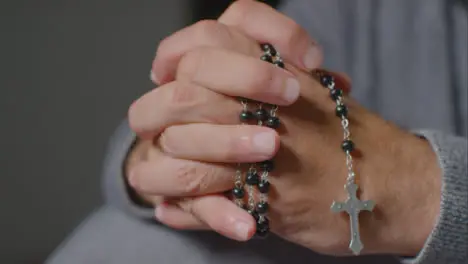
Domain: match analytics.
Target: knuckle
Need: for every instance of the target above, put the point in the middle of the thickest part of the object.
(215, 34)
(165, 110)
(152, 111)
(205, 24)
(186, 204)
(178, 96)
(206, 29)
(178, 101)
(238, 11)
(190, 63)
(186, 178)
(191, 179)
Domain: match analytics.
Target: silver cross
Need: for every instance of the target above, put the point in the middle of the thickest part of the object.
(353, 206)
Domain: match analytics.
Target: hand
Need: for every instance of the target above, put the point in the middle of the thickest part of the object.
(311, 169)
(304, 54)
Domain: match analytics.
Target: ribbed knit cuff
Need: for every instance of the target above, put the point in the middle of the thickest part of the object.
(448, 243)
(115, 188)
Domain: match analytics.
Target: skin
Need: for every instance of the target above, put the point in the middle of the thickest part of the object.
(190, 140)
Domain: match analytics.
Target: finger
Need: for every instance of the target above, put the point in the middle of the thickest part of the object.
(236, 74)
(173, 216)
(266, 25)
(220, 143)
(186, 100)
(222, 215)
(177, 103)
(206, 33)
(171, 177)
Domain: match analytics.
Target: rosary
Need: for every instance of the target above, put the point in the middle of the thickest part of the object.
(257, 175)
(353, 206)
(252, 179)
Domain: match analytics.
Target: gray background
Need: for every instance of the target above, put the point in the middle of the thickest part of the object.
(69, 70)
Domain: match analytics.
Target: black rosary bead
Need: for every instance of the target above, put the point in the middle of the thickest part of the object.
(254, 214)
(238, 193)
(341, 111)
(269, 48)
(252, 178)
(279, 64)
(267, 165)
(261, 114)
(273, 122)
(246, 116)
(262, 233)
(263, 228)
(264, 186)
(267, 58)
(347, 146)
(259, 210)
(327, 80)
(336, 93)
(262, 207)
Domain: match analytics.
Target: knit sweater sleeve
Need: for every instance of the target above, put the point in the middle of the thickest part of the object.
(448, 242)
(114, 183)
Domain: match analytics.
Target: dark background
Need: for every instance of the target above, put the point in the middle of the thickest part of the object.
(69, 70)
(211, 9)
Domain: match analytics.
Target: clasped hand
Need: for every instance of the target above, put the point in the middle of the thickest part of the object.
(190, 141)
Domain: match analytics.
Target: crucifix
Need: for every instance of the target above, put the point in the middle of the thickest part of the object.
(353, 206)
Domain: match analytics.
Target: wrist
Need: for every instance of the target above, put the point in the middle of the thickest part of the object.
(407, 189)
(422, 199)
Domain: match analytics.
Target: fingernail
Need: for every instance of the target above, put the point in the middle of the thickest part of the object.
(292, 91)
(264, 143)
(313, 57)
(159, 212)
(242, 230)
(153, 77)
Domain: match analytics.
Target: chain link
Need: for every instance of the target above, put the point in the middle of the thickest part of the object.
(245, 106)
(251, 201)
(349, 165)
(274, 110)
(238, 178)
(346, 136)
(346, 132)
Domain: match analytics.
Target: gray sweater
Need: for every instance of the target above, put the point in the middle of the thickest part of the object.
(408, 62)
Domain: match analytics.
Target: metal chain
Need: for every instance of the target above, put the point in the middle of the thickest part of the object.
(346, 136)
(264, 118)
